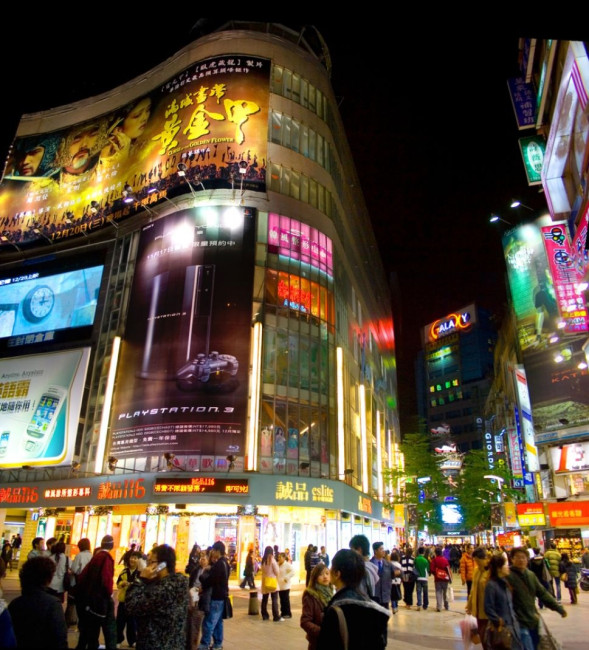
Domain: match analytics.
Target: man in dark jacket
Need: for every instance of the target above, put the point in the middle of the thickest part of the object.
(37, 615)
(525, 588)
(218, 580)
(382, 589)
(364, 621)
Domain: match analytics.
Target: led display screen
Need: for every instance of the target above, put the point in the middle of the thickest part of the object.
(49, 303)
(209, 122)
(40, 401)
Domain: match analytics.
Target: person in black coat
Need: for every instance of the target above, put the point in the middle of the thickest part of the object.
(37, 616)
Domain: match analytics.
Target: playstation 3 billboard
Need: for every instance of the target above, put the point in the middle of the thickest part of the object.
(182, 384)
(202, 127)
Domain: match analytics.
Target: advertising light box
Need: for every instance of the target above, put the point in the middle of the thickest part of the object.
(40, 401)
(45, 304)
(211, 118)
(182, 382)
(570, 458)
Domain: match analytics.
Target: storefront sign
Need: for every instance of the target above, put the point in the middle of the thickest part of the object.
(570, 458)
(182, 383)
(573, 513)
(212, 118)
(14, 495)
(523, 100)
(364, 504)
(530, 449)
(510, 515)
(399, 516)
(460, 320)
(532, 150)
(128, 490)
(201, 485)
(67, 493)
(531, 514)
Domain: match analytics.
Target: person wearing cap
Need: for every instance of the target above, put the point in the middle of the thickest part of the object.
(94, 591)
(218, 580)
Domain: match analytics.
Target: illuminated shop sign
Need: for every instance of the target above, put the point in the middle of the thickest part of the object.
(515, 453)
(510, 515)
(575, 513)
(530, 449)
(40, 401)
(570, 458)
(450, 324)
(532, 150)
(200, 485)
(67, 493)
(211, 118)
(364, 504)
(531, 514)
(299, 241)
(22, 494)
(182, 384)
(569, 294)
(523, 100)
(299, 294)
(297, 491)
(121, 490)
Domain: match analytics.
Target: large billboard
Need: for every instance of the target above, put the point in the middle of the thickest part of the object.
(182, 383)
(40, 402)
(49, 303)
(209, 122)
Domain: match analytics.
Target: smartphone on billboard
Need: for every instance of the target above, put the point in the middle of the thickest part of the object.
(42, 426)
(4, 438)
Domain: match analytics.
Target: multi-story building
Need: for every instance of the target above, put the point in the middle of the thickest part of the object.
(196, 327)
(454, 371)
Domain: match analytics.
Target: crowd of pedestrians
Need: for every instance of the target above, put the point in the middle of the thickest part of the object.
(347, 602)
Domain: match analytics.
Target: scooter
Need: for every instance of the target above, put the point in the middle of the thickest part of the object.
(584, 582)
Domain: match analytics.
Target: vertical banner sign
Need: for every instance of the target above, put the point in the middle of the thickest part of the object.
(211, 118)
(182, 384)
(530, 449)
(532, 150)
(523, 100)
(515, 453)
(571, 301)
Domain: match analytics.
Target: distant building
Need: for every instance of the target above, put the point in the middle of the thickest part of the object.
(453, 374)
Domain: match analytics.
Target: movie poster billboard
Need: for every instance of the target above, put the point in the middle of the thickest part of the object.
(182, 383)
(40, 402)
(208, 122)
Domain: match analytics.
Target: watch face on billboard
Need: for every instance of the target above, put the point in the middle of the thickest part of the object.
(47, 304)
(182, 382)
(40, 401)
(206, 127)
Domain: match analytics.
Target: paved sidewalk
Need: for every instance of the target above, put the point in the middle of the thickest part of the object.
(408, 629)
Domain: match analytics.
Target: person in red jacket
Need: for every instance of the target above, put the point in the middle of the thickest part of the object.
(440, 569)
(467, 568)
(94, 590)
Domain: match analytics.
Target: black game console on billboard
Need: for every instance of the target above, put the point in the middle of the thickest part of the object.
(201, 369)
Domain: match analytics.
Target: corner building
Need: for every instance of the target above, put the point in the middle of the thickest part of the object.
(201, 346)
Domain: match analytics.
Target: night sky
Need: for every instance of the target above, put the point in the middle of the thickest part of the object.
(427, 114)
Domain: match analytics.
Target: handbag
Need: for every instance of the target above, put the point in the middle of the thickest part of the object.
(228, 608)
(441, 574)
(450, 594)
(564, 577)
(71, 615)
(498, 638)
(270, 583)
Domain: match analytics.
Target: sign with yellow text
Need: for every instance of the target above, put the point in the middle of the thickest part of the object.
(209, 122)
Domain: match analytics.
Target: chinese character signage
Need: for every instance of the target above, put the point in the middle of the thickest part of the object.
(515, 451)
(569, 295)
(531, 514)
(523, 100)
(40, 401)
(182, 382)
(209, 122)
(200, 485)
(532, 151)
(298, 241)
(573, 513)
(297, 491)
(570, 458)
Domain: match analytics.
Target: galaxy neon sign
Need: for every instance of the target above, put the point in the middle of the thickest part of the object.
(448, 325)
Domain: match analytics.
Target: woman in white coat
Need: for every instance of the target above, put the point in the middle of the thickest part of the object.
(286, 573)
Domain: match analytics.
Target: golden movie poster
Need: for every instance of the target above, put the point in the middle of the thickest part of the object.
(205, 128)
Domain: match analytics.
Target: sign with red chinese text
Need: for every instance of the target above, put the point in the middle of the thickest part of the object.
(508, 540)
(209, 122)
(298, 241)
(18, 495)
(570, 297)
(531, 514)
(572, 513)
(201, 485)
(127, 490)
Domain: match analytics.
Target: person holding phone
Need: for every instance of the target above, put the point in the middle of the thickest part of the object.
(158, 600)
